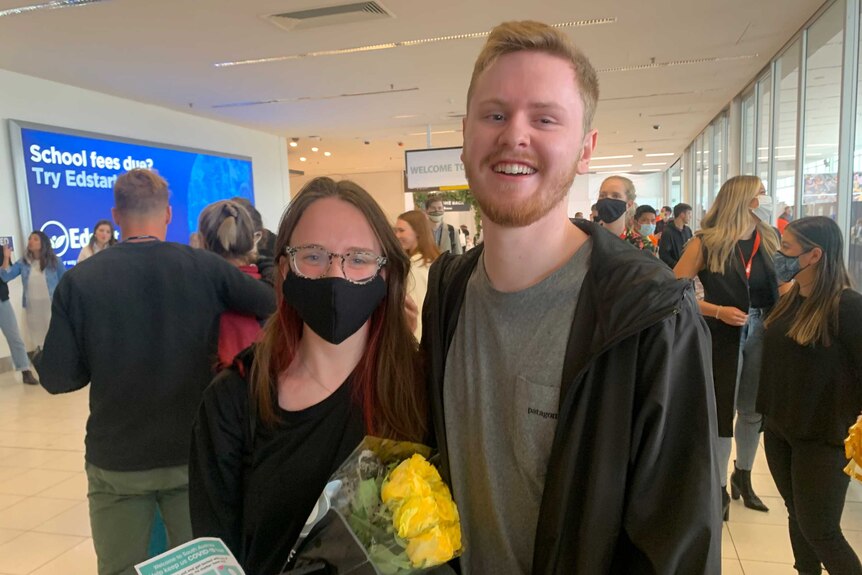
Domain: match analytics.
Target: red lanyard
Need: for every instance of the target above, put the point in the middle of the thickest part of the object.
(747, 265)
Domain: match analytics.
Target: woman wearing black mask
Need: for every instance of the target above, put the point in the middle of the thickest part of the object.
(810, 392)
(616, 201)
(336, 361)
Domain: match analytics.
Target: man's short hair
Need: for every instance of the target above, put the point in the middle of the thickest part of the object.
(666, 209)
(140, 191)
(528, 35)
(644, 209)
(680, 209)
(433, 198)
(594, 207)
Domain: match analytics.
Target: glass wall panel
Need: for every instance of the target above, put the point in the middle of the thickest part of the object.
(822, 113)
(675, 184)
(748, 159)
(764, 127)
(698, 179)
(854, 235)
(719, 156)
(787, 84)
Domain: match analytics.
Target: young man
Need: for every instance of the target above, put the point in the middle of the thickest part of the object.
(444, 234)
(664, 217)
(675, 236)
(568, 374)
(642, 234)
(140, 323)
(616, 201)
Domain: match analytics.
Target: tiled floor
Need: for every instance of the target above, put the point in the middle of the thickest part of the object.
(44, 525)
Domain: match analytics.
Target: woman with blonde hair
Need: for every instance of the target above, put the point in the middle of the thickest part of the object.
(732, 256)
(335, 362)
(414, 232)
(226, 229)
(811, 394)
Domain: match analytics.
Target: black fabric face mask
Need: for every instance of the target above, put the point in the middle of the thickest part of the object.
(610, 209)
(333, 308)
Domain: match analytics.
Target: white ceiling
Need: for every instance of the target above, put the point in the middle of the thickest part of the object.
(163, 52)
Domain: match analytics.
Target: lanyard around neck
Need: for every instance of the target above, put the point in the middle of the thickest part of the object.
(747, 265)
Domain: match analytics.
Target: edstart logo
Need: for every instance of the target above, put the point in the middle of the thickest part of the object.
(59, 236)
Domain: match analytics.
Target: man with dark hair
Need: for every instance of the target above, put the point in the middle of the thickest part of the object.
(568, 374)
(675, 236)
(642, 234)
(139, 324)
(664, 217)
(444, 234)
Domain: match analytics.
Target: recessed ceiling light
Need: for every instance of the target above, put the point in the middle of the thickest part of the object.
(327, 154)
(655, 164)
(711, 60)
(314, 148)
(612, 157)
(661, 154)
(46, 6)
(652, 170)
(302, 158)
(405, 116)
(437, 132)
(293, 144)
(611, 166)
(402, 44)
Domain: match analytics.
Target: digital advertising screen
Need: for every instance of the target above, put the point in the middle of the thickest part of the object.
(65, 181)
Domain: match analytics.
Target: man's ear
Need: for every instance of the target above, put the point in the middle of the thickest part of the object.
(588, 146)
(169, 214)
(116, 215)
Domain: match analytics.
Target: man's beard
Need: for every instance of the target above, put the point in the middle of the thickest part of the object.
(509, 214)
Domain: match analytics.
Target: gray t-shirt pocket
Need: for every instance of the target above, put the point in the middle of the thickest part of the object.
(535, 422)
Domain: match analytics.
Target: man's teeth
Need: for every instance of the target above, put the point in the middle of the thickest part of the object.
(513, 169)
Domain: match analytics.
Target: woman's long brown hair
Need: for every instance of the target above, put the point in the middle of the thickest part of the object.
(388, 381)
(46, 256)
(425, 243)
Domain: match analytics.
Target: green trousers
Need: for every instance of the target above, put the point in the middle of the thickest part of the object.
(122, 510)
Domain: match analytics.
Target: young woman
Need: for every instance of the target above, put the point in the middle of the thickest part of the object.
(336, 361)
(40, 270)
(103, 237)
(414, 232)
(810, 392)
(227, 229)
(732, 256)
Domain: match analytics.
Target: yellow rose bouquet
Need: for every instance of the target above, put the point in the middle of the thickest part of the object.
(385, 511)
(853, 450)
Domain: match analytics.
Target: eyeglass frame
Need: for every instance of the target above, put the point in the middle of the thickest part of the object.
(291, 251)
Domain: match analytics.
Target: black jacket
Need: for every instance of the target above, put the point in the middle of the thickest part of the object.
(632, 484)
(672, 243)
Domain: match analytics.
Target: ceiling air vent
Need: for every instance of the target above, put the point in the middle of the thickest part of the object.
(330, 16)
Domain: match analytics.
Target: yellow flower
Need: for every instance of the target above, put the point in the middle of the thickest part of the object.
(413, 477)
(434, 547)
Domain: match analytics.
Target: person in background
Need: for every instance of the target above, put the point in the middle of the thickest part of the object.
(579, 215)
(785, 218)
(663, 219)
(40, 270)
(103, 237)
(594, 213)
(264, 242)
(444, 234)
(466, 238)
(145, 347)
(226, 229)
(616, 202)
(337, 361)
(9, 327)
(675, 236)
(810, 394)
(568, 374)
(414, 232)
(642, 235)
(732, 256)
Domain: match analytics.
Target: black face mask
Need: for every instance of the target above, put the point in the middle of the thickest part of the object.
(610, 209)
(333, 308)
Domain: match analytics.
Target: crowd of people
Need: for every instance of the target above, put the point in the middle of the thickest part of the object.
(583, 399)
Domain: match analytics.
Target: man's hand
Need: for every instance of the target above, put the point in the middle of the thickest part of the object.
(411, 311)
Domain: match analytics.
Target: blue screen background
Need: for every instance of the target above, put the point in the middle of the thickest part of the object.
(195, 179)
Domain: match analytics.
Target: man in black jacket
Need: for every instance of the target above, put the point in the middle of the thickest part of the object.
(676, 234)
(569, 375)
(140, 323)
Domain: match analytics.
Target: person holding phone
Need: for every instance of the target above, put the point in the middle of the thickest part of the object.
(40, 270)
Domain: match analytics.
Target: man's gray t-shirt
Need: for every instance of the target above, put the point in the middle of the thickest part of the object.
(500, 399)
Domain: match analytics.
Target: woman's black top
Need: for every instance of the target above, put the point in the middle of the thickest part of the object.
(814, 392)
(760, 284)
(257, 499)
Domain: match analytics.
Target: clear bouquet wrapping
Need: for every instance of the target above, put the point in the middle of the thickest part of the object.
(385, 511)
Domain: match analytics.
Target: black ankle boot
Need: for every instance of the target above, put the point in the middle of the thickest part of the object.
(740, 485)
(29, 379)
(725, 503)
